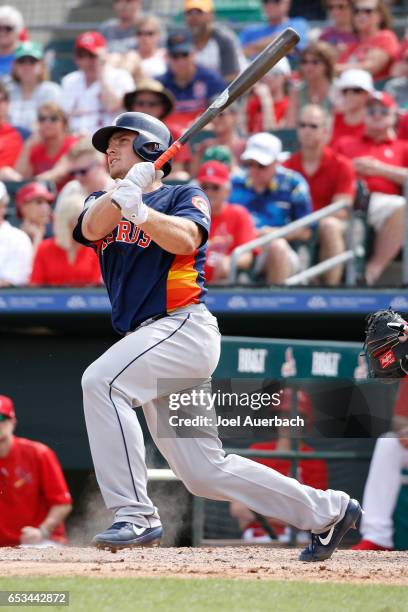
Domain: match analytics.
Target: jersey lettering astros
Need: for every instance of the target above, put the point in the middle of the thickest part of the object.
(142, 279)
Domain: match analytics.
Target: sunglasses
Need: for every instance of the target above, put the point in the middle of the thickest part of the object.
(146, 103)
(83, 171)
(210, 187)
(51, 118)
(337, 7)
(82, 54)
(27, 59)
(364, 11)
(6, 28)
(312, 126)
(179, 55)
(354, 90)
(146, 33)
(254, 164)
(378, 110)
(313, 62)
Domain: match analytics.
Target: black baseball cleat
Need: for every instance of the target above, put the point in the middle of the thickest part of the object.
(323, 545)
(127, 535)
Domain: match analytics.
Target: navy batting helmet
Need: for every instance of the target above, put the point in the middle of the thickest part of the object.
(152, 139)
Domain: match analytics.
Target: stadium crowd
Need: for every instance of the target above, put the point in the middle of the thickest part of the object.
(324, 125)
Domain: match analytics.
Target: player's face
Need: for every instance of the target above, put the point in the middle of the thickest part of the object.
(120, 154)
(6, 436)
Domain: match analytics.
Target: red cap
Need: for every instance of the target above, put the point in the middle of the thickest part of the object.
(31, 191)
(383, 98)
(6, 407)
(90, 41)
(213, 172)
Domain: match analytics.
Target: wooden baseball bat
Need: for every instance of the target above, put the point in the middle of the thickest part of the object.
(278, 48)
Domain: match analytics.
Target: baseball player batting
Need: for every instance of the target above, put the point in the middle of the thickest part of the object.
(151, 240)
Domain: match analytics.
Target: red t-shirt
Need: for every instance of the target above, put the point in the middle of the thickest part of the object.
(393, 152)
(41, 162)
(231, 228)
(51, 266)
(334, 176)
(384, 39)
(11, 144)
(254, 112)
(31, 482)
(403, 127)
(341, 129)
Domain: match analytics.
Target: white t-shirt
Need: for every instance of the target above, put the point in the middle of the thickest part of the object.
(23, 112)
(154, 66)
(83, 104)
(16, 255)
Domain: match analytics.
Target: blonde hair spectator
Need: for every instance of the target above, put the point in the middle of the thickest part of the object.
(65, 218)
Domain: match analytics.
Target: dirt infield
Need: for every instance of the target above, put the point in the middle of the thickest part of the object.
(262, 563)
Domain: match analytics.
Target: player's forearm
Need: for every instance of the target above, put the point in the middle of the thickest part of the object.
(173, 234)
(56, 515)
(100, 218)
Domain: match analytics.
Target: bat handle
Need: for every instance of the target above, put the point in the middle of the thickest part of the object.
(167, 155)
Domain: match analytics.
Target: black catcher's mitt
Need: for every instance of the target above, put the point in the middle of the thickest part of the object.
(386, 353)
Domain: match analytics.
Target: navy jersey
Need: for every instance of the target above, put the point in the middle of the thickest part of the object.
(142, 279)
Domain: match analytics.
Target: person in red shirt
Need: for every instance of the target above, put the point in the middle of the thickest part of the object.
(330, 177)
(44, 155)
(34, 497)
(377, 46)
(61, 260)
(231, 224)
(381, 161)
(355, 87)
(268, 102)
(11, 142)
(312, 472)
(33, 204)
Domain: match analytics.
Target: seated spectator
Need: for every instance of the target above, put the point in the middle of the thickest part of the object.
(149, 60)
(16, 251)
(355, 87)
(255, 38)
(216, 45)
(377, 46)
(35, 499)
(267, 104)
(92, 95)
(30, 88)
(312, 472)
(225, 127)
(11, 142)
(330, 177)
(192, 85)
(316, 71)
(44, 153)
(231, 224)
(87, 172)
(381, 161)
(61, 260)
(339, 33)
(402, 133)
(398, 87)
(33, 203)
(11, 26)
(153, 98)
(120, 31)
(274, 196)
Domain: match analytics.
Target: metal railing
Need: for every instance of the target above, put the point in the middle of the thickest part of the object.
(348, 256)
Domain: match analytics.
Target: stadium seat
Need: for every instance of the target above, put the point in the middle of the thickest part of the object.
(288, 137)
(59, 58)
